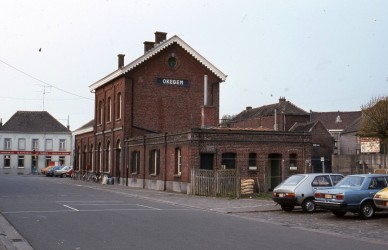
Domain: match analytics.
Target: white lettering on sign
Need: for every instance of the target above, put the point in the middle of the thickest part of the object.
(173, 82)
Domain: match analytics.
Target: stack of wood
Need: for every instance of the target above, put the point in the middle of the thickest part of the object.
(247, 186)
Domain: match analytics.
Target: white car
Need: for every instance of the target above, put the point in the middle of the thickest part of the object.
(298, 190)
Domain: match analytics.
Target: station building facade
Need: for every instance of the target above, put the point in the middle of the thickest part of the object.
(156, 118)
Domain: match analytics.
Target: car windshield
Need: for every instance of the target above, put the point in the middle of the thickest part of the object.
(350, 182)
(293, 180)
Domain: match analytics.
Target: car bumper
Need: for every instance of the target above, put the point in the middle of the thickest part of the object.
(381, 204)
(285, 201)
(334, 206)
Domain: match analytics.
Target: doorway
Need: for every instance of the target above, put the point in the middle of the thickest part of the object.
(274, 170)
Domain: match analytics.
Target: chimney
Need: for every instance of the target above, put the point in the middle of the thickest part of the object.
(282, 99)
(1, 122)
(121, 60)
(160, 37)
(148, 46)
(248, 108)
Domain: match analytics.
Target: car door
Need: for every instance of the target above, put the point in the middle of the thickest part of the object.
(375, 185)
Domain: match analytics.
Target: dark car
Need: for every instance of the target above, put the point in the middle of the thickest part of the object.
(353, 194)
(51, 171)
(298, 190)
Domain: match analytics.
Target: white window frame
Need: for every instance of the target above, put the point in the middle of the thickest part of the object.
(7, 157)
(21, 144)
(21, 158)
(49, 144)
(62, 144)
(7, 143)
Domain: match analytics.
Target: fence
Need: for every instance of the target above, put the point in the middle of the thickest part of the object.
(222, 183)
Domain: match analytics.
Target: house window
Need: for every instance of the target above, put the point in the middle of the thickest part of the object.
(7, 143)
(109, 110)
(252, 160)
(293, 158)
(178, 161)
(100, 112)
(35, 144)
(228, 160)
(48, 160)
(21, 144)
(61, 160)
(135, 162)
(49, 144)
(7, 161)
(119, 105)
(154, 162)
(21, 161)
(62, 144)
(108, 157)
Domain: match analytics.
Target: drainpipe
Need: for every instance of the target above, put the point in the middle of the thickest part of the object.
(165, 162)
(144, 160)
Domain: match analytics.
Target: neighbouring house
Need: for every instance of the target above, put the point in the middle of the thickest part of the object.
(156, 120)
(322, 143)
(279, 116)
(32, 140)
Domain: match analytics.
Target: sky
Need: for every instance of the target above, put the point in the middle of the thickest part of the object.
(321, 55)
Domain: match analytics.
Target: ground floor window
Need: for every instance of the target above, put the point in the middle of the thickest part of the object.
(228, 160)
(48, 160)
(293, 158)
(7, 161)
(21, 161)
(62, 160)
(154, 162)
(135, 162)
(178, 161)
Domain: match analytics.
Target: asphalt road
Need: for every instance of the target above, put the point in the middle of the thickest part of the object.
(51, 213)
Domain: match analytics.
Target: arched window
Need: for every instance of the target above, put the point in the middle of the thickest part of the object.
(91, 158)
(109, 110)
(100, 113)
(107, 167)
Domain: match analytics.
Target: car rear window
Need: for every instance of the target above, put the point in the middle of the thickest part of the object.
(351, 182)
(293, 180)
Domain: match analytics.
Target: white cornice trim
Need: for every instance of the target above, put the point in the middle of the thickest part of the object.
(158, 48)
(83, 131)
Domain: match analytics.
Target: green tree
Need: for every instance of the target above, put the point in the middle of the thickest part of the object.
(374, 121)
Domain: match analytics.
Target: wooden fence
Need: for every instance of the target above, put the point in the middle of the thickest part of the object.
(221, 183)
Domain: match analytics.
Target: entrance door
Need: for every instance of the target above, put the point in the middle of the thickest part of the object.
(274, 170)
(207, 161)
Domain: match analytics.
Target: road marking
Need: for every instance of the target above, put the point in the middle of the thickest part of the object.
(149, 207)
(71, 207)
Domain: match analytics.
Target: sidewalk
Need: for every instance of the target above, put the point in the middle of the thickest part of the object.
(10, 239)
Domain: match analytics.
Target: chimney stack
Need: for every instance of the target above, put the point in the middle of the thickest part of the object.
(248, 108)
(160, 37)
(148, 46)
(121, 60)
(282, 99)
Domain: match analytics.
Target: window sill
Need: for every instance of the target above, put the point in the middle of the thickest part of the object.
(153, 175)
(177, 175)
(134, 173)
(7, 167)
(21, 167)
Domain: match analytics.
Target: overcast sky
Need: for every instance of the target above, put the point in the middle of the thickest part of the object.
(323, 55)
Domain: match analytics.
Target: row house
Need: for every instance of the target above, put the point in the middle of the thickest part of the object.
(32, 140)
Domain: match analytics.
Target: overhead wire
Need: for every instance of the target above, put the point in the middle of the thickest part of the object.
(47, 84)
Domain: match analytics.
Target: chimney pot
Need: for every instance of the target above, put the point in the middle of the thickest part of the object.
(120, 60)
(160, 37)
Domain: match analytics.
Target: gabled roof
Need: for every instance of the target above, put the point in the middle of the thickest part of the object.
(33, 121)
(353, 127)
(282, 107)
(335, 120)
(149, 54)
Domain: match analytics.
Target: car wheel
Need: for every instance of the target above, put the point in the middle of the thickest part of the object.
(367, 210)
(339, 214)
(287, 208)
(308, 205)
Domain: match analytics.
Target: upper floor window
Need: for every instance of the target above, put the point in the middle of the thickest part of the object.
(7, 143)
(49, 144)
(154, 161)
(21, 144)
(62, 144)
(100, 113)
(178, 161)
(35, 144)
(119, 105)
(109, 110)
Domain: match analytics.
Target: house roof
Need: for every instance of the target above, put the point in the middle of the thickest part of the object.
(303, 127)
(149, 54)
(353, 127)
(33, 121)
(335, 120)
(87, 127)
(282, 107)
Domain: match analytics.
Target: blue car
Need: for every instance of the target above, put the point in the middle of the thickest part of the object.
(354, 193)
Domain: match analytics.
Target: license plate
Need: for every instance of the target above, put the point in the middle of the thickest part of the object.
(281, 195)
(328, 196)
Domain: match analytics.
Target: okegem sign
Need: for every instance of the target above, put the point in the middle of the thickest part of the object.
(174, 82)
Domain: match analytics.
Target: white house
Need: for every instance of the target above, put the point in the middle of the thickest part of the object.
(32, 140)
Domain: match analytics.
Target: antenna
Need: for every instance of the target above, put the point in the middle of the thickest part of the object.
(44, 92)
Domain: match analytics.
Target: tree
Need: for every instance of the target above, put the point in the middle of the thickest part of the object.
(374, 121)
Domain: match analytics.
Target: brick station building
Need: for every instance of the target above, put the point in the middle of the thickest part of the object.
(156, 118)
